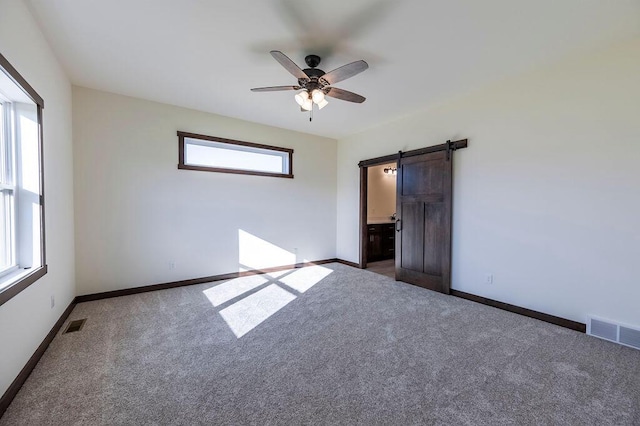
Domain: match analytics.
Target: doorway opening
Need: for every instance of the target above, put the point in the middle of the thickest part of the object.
(381, 217)
(418, 232)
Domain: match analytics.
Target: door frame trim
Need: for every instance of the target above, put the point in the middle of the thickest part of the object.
(365, 164)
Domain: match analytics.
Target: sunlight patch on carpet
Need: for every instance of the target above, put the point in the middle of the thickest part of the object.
(305, 278)
(231, 289)
(246, 314)
(246, 302)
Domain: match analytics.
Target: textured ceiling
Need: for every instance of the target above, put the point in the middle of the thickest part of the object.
(206, 55)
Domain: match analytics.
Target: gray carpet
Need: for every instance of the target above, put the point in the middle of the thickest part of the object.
(355, 348)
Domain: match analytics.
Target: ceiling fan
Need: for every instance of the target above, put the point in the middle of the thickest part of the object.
(315, 83)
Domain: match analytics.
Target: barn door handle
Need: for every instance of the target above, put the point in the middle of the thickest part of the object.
(398, 225)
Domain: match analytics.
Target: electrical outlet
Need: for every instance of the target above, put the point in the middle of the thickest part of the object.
(489, 279)
(53, 301)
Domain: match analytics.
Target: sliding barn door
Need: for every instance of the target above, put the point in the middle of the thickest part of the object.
(423, 238)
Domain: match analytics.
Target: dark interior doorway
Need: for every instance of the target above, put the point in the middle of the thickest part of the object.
(377, 227)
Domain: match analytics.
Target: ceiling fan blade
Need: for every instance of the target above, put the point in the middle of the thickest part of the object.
(344, 72)
(345, 95)
(289, 65)
(274, 88)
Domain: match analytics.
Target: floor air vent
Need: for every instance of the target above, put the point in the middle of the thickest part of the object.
(75, 326)
(613, 332)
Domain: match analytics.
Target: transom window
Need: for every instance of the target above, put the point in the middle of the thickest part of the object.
(213, 154)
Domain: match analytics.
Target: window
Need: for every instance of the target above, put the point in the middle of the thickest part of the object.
(7, 191)
(22, 259)
(213, 154)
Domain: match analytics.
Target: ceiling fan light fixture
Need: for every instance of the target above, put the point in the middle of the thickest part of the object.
(302, 97)
(323, 104)
(317, 96)
(307, 104)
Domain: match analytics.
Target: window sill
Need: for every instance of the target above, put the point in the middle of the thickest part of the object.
(14, 283)
(233, 171)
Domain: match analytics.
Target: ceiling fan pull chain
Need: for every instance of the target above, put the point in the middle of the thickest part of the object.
(311, 114)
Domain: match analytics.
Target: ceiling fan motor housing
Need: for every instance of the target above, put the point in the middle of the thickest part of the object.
(312, 60)
(314, 73)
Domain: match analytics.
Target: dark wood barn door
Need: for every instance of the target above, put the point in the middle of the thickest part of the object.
(423, 238)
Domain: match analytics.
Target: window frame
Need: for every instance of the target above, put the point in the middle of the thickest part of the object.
(8, 184)
(184, 166)
(19, 281)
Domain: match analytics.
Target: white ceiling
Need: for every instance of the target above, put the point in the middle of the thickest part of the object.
(206, 55)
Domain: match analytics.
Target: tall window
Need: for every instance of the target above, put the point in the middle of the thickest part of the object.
(22, 259)
(7, 191)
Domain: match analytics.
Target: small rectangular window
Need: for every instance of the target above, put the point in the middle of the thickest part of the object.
(213, 154)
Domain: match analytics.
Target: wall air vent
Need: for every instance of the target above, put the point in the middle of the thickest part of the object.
(603, 329)
(630, 337)
(614, 332)
(75, 326)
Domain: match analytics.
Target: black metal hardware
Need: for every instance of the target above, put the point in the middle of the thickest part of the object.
(451, 146)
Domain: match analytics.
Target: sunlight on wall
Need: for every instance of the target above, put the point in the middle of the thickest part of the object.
(245, 315)
(256, 253)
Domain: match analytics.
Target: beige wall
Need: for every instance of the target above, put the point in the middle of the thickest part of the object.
(381, 193)
(26, 319)
(138, 215)
(546, 196)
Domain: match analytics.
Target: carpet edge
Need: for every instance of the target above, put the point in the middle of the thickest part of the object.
(201, 280)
